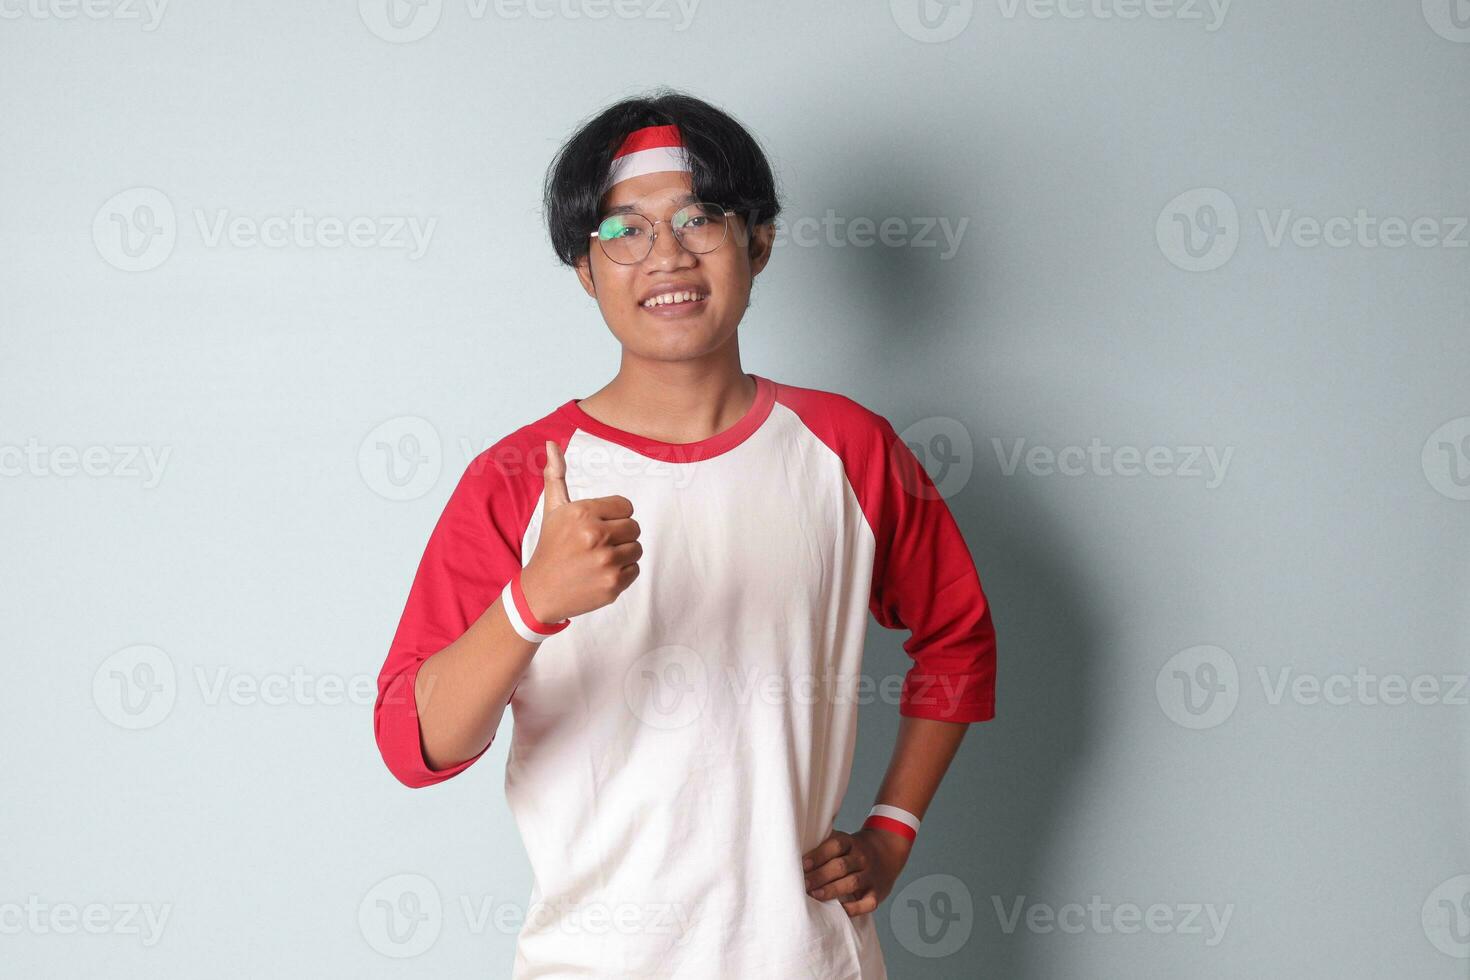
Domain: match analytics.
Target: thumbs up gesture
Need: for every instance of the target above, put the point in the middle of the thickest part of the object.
(588, 550)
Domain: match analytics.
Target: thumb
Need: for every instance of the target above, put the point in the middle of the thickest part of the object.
(556, 478)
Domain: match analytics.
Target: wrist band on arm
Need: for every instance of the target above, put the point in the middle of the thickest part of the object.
(892, 818)
(518, 611)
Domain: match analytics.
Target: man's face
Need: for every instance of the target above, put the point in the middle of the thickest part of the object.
(673, 331)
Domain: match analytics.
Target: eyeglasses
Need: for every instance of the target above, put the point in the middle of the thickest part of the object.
(627, 238)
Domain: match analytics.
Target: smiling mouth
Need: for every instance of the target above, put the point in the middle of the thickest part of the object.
(674, 300)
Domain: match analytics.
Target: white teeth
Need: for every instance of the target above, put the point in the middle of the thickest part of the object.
(684, 296)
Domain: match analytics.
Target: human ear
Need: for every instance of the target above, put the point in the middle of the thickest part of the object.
(762, 239)
(584, 275)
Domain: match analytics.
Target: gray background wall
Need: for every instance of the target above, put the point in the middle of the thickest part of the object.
(1232, 703)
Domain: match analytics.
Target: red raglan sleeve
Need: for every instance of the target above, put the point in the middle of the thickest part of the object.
(924, 580)
(472, 552)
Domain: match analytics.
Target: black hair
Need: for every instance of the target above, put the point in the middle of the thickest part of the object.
(728, 165)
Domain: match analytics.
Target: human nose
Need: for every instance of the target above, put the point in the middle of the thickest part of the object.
(667, 250)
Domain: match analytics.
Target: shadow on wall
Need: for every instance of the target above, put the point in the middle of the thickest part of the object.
(1004, 798)
(999, 807)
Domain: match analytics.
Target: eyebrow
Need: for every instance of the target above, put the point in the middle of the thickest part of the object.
(630, 209)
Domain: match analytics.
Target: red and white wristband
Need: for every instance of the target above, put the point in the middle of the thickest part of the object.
(518, 611)
(892, 818)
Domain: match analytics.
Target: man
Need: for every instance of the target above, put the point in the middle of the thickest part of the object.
(668, 582)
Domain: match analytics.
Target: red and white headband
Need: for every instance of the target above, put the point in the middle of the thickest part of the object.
(649, 150)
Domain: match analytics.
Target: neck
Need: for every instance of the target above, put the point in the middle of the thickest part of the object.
(675, 401)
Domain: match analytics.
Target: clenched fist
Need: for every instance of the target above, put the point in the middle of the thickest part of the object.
(588, 550)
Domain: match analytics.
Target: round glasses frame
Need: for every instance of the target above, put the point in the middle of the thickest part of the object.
(719, 208)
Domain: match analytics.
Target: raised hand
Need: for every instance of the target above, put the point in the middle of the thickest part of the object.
(588, 550)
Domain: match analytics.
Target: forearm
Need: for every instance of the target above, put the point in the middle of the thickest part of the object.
(922, 755)
(461, 691)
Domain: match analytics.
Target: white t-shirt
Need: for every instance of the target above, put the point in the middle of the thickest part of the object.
(675, 753)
